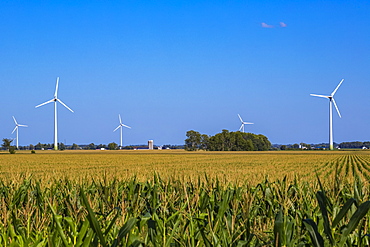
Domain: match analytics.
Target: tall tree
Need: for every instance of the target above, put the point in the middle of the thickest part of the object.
(112, 146)
(227, 141)
(92, 146)
(193, 140)
(7, 143)
(204, 142)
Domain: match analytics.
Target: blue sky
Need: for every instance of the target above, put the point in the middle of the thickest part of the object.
(172, 66)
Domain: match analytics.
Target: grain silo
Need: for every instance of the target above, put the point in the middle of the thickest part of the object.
(150, 144)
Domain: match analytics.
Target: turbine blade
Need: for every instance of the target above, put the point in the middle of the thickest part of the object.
(47, 102)
(56, 89)
(335, 90)
(16, 127)
(64, 105)
(120, 120)
(119, 126)
(15, 121)
(126, 126)
(247, 123)
(241, 120)
(318, 95)
(22, 125)
(241, 127)
(336, 107)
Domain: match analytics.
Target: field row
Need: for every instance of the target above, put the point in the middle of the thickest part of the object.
(230, 166)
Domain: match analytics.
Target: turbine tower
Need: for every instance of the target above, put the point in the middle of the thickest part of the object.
(331, 102)
(55, 100)
(16, 128)
(120, 126)
(243, 123)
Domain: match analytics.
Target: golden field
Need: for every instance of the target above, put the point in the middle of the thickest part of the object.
(232, 167)
(179, 198)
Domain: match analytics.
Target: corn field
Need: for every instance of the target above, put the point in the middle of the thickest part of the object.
(326, 205)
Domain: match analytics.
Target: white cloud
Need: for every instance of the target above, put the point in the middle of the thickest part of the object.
(282, 24)
(264, 25)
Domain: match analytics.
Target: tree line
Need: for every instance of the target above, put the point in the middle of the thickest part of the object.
(356, 144)
(7, 145)
(226, 141)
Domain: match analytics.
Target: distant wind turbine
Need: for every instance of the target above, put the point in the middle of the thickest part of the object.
(55, 100)
(120, 126)
(331, 101)
(243, 123)
(16, 128)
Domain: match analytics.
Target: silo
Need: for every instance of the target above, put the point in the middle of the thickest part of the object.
(150, 144)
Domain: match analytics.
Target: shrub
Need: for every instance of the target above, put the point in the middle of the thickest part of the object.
(12, 150)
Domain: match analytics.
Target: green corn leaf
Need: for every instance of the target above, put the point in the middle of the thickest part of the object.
(316, 238)
(112, 223)
(93, 221)
(71, 224)
(355, 219)
(290, 233)
(206, 241)
(278, 229)
(58, 220)
(343, 211)
(242, 243)
(81, 234)
(321, 198)
(88, 239)
(175, 227)
(136, 243)
(126, 228)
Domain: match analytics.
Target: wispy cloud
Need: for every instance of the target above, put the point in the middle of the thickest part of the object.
(264, 25)
(282, 24)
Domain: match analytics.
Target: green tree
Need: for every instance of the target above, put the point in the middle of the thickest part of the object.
(112, 146)
(227, 141)
(92, 146)
(193, 140)
(62, 146)
(7, 143)
(75, 146)
(283, 147)
(204, 142)
(296, 146)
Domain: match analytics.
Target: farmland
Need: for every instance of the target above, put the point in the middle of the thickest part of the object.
(177, 198)
(231, 166)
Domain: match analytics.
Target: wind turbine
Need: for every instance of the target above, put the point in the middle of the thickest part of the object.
(120, 126)
(16, 128)
(55, 100)
(243, 123)
(331, 102)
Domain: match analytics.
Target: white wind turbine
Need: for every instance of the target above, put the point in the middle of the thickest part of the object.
(120, 126)
(331, 101)
(16, 128)
(243, 123)
(55, 100)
